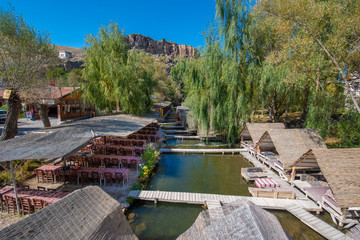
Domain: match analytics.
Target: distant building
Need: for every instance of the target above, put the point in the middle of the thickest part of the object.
(64, 54)
(65, 103)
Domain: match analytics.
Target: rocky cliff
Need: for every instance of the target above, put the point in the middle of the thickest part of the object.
(165, 51)
(165, 48)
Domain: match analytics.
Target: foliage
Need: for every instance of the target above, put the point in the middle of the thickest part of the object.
(114, 75)
(74, 78)
(149, 157)
(24, 172)
(278, 55)
(4, 107)
(59, 75)
(347, 129)
(24, 53)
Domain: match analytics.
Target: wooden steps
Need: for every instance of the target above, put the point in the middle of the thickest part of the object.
(202, 151)
(315, 223)
(214, 208)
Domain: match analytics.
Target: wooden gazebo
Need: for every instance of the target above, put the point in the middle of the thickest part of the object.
(254, 131)
(290, 144)
(341, 169)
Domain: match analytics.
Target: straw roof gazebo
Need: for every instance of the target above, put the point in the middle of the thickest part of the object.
(290, 144)
(87, 213)
(341, 169)
(241, 220)
(254, 131)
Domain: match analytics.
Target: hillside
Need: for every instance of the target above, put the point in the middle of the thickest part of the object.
(165, 51)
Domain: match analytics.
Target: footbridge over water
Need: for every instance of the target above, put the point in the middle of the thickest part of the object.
(299, 208)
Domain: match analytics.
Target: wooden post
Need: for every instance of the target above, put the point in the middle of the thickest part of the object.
(14, 184)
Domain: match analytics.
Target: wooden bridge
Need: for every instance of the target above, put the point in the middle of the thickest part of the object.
(202, 151)
(298, 208)
(168, 131)
(182, 137)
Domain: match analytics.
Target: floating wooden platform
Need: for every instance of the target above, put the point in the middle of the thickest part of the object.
(201, 198)
(181, 137)
(202, 151)
(251, 176)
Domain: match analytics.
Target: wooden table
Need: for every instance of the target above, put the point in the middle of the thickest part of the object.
(46, 196)
(48, 167)
(101, 171)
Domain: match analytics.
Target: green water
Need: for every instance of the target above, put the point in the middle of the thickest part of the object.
(202, 174)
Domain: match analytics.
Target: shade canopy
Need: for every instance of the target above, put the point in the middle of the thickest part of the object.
(44, 144)
(341, 168)
(241, 220)
(254, 131)
(88, 213)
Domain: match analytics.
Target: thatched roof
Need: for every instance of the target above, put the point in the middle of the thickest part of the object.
(44, 144)
(57, 142)
(291, 144)
(87, 213)
(256, 130)
(341, 168)
(242, 220)
(120, 125)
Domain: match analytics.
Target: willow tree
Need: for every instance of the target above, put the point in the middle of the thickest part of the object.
(115, 77)
(24, 52)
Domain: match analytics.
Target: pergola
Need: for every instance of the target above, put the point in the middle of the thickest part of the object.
(41, 145)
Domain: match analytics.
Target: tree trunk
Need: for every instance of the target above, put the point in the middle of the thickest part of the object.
(14, 108)
(44, 115)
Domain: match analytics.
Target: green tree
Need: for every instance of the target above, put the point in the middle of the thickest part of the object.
(24, 52)
(115, 77)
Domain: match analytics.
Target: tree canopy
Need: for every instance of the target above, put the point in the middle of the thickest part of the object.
(115, 76)
(24, 54)
(279, 56)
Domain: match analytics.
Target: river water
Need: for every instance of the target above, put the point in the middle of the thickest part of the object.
(217, 174)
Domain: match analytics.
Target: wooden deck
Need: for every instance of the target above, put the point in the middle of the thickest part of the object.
(315, 223)
(168, 131)
(181, 137)
(251, 176)
(201, 198)
(202, 151)
(298, 208)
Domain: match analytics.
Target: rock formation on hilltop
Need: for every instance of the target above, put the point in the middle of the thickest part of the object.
(165, 48)
(164, 51)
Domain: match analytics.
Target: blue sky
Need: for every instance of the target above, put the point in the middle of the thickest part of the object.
(68, 22)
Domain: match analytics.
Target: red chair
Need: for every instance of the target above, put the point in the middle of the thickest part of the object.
(95, 177)
(133, 164)
(119, 178)
(39, 175)
(108, 178)
(10, 204)
(49, 176)
(38, 204)
(84, 178)
(25, 206)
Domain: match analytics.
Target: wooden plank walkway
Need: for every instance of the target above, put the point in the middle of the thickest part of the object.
(168, 127)
(214, 208)
(203, 151)
(201, 198)
(177, 131)
(298, 208)
(315, 223)
(181, 137)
